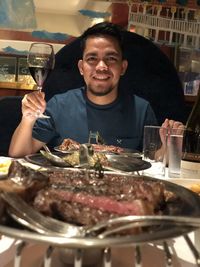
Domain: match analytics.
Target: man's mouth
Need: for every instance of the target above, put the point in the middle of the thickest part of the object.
(101, 77)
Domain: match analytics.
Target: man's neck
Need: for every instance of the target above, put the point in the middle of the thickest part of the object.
(102, 100)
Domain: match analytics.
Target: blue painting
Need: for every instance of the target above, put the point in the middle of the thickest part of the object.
(17, 14)
(50, 35)
(11, 50)
(94, 14)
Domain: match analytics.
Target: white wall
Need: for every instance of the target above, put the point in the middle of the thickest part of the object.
(60, 16)
(64, 17)
(70, 24)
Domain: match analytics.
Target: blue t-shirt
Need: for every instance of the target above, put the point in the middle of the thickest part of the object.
(73, 116)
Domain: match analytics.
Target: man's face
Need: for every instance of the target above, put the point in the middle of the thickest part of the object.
(102, 65)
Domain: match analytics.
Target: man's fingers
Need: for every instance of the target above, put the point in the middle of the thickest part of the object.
(35, 101)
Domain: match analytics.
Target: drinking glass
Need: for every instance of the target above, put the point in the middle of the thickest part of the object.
(175, 141)
(40, 61)
(154, 150)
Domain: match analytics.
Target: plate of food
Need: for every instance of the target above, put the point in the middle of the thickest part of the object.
(68, 145)
(103, 161)
(82, 199)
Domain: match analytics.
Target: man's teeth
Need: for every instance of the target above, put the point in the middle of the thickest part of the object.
(101, 77)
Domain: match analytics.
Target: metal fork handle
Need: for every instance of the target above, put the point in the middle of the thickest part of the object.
(31, 218)
(127, 222)
(46, 148)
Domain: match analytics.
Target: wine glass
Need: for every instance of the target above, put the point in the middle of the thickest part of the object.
(40, 61)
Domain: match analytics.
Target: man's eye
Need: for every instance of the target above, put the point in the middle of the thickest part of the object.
(91, 59)
(112, 59)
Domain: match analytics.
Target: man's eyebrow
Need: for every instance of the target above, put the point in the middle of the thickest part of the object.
(90, 54)
(109, 53)
(112, 53)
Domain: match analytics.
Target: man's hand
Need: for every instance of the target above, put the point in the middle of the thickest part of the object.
(171, 124)
(33, 104)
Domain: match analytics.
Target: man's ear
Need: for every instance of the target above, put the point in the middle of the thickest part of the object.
(80, 66)
(124, 66)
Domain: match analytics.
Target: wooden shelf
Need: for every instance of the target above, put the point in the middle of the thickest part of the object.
(190, 98)
(16, 85)
(15, 88)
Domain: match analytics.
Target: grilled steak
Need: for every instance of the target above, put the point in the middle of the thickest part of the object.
(85, 200)
(107, 148)
(69, 144)
(23, 180)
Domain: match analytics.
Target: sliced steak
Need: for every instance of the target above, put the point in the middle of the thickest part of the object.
(69, 144)
(68, 197)
(107, 148)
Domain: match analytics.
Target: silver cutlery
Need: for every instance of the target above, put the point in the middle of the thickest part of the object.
(54, 159)
(85, 151)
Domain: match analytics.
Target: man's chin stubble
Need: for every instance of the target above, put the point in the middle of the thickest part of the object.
(102, 93)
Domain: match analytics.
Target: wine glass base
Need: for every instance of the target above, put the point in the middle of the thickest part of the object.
(42, 116)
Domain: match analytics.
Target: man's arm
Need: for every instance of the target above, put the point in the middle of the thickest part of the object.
(22, 142)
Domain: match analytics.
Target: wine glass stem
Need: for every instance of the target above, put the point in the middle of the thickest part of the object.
(39, 88)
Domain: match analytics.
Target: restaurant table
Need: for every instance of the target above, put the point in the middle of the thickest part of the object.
(152, 254)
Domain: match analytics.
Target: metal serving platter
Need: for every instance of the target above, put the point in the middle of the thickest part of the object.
(122, 162)
(187, 205)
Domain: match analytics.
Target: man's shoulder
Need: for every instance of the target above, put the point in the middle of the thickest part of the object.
(139, 100)
(72, 93)
(75, 91)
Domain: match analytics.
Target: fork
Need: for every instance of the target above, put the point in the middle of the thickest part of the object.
(29, 217)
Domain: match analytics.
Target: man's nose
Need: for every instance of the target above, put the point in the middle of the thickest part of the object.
(102, 65)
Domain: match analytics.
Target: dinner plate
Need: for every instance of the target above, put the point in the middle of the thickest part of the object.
(126, 151)
(124, 163)
(186, 204)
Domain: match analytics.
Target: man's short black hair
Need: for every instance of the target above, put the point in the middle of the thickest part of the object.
(103, 28)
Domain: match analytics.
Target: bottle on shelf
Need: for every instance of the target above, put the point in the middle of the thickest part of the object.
(190, 163)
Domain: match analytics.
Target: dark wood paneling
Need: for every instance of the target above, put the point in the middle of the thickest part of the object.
(13, 92)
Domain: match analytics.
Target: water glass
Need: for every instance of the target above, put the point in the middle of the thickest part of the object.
(154, 150)
(175, 141)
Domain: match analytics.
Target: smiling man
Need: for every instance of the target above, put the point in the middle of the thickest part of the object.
(100, 106)
(102, 65)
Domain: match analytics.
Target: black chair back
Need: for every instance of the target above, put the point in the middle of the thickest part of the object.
(10, 116)
(150, 75)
